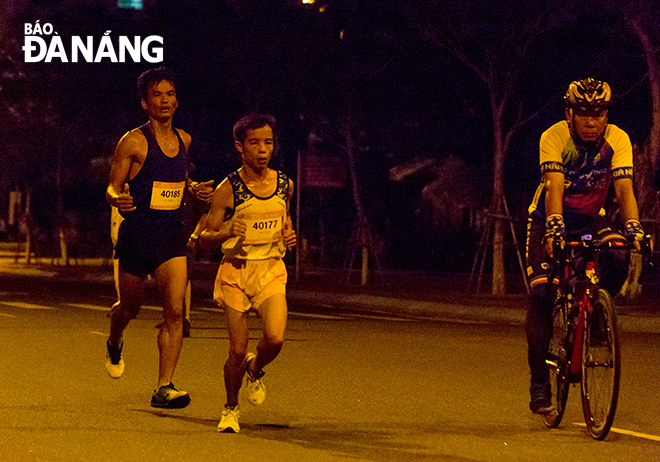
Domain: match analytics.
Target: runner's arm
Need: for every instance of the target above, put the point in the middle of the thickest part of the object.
(216, 228)
(126, 152)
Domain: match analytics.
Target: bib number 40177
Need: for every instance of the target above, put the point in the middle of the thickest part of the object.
(263, 228)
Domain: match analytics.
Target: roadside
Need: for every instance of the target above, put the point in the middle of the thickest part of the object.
(436, 296)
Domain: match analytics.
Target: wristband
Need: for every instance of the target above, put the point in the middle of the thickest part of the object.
(554, 224)
(633, 228)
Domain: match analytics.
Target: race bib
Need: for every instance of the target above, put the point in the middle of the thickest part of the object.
(166, 196)
(263, 228)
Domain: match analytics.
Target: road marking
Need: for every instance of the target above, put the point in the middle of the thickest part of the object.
(90, 307)
(379, 317)
(107, 308)
(212, 310)
(99, 333)
(28, 306)
(315, 316)
(7, 315)
(627, 432)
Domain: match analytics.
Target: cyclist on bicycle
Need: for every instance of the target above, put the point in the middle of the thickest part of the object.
(580, 157)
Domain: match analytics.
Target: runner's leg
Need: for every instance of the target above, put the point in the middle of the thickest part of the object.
(171, 280)
(273, 312)
(234, 369)
(132, 289)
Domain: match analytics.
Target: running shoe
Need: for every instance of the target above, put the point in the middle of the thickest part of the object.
(169, 397)
(541, 402)
(229, 421)
(114, 362)
(255, 389)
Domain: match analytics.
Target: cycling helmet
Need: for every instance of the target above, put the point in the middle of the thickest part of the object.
(588, 93)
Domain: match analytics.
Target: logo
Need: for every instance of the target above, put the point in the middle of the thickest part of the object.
(42, 43)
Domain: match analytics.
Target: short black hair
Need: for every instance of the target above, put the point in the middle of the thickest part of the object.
(252, 122)
(154, 76)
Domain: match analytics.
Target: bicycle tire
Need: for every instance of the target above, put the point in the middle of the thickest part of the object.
(601, 366)
(557, 360)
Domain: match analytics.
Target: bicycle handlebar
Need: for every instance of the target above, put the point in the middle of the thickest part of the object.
(590, 244)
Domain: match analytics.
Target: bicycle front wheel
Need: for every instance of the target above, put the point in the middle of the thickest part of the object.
(601, 366)
(557, 360)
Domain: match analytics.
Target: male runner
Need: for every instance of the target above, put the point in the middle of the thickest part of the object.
(147, 180)
(250, 219)
(581, 157)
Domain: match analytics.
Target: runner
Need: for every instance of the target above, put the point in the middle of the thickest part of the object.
(250, 219)
(147, 181)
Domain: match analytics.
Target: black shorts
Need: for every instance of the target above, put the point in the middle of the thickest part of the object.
(538, 266)
(141, 248)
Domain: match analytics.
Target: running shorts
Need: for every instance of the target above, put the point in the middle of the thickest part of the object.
(244, 284)
(141, 248)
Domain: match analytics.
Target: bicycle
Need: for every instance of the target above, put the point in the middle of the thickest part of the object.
(584, 347)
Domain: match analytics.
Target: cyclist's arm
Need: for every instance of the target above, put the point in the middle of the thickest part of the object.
(554, 193)
(625, 195)
(554, 202)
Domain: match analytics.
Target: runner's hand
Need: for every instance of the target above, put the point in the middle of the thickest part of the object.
(204, 191)
(238, 227)
(288, 235)
(124, 200)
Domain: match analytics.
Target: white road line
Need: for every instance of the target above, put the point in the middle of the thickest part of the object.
(107, 308)
(7, 315)
(152, 308)
(28, 306)
(627, 432)
(315, 316)
(375, 316)
(212, 310)
(90, 307)
(99, 333)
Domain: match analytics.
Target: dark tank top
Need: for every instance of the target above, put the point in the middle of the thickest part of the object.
(158, 187)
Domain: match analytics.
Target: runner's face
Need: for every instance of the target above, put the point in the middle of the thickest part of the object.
(257, 148)
(589, 123)
(161, 100)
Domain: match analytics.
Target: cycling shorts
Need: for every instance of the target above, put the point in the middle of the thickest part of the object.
(538, 266)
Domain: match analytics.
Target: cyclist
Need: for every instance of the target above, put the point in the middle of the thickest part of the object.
(580, 158)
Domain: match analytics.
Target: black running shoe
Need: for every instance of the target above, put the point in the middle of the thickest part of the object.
(169, 397)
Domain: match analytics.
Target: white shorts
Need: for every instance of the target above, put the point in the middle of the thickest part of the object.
(244, 284)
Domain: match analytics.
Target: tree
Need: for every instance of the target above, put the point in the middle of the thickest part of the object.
(495, 41)
(638, 17)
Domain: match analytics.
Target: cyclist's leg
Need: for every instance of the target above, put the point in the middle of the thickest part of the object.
(539, 317)
(612, 263)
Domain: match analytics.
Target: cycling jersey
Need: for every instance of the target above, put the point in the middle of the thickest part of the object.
(588, 168)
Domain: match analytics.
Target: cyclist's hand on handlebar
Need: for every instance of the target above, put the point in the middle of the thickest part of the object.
(554, 234)
(553, 242)
(634, 233)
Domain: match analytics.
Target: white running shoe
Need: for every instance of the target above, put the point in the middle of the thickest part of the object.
(255, 389)
(114, 362)
(229, 421)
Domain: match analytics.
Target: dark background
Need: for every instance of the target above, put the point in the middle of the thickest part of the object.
(410, 102)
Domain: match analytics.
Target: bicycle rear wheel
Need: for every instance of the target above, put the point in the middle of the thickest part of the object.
(601, 366)
(557, 360)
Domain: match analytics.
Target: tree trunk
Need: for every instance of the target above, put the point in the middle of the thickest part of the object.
(497, 208)
(646, 160)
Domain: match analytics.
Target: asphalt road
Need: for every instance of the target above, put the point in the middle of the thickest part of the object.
(348, 386)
